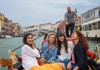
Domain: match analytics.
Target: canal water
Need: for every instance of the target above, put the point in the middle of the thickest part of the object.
(12, 43)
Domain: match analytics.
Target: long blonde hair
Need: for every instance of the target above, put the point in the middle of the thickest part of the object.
(54, 40)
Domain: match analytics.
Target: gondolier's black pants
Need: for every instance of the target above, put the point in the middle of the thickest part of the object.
(70, 27)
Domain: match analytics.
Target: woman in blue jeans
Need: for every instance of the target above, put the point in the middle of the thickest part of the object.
(49, 50)
(78, 59)
(64, 49)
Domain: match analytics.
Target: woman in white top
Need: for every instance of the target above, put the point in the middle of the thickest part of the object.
(64, 49)
(29, 52)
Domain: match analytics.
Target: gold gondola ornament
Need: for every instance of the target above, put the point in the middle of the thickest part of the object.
(12, 55)
(96, 51)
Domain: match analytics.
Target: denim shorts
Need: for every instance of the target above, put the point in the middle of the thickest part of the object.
(66, 61)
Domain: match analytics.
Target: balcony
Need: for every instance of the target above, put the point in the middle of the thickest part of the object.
(89, 19)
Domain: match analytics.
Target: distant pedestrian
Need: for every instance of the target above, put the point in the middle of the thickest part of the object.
(61, 29)
(70, 21)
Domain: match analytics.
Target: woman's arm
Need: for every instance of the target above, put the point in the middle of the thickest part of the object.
(43, 52)
(69, 66)
(29, 51)
(54, 55)
(90, 54)
(80, 56)
(76, 68)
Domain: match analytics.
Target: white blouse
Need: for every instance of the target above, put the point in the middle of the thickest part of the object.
(63, 52)
(29, 57)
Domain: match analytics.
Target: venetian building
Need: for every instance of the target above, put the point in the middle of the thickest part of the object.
(17, 29)
(54, 26)
(34, 29)
(45, 28)
(91, 23)
(6, 21)
(2, 24)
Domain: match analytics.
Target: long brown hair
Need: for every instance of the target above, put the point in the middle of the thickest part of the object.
(59, 43)
(25, 39)
(82, 39)
(54, 40)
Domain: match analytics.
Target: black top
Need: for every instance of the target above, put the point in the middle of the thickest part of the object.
(80, 57)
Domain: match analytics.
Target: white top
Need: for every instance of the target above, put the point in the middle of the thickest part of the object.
(29, 57)
(63, 52)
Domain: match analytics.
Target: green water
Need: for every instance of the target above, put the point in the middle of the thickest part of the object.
(12, 43)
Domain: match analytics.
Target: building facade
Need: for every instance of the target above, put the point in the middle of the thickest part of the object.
(31, 29)
(2, 24)
(8, 28)
(47, 27)
(2, 21)
(16, 29)
(55, 25)
(90, 15)
(0, 30)
(91, 23)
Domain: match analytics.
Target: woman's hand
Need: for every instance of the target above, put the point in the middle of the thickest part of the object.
(33, 45)
(69, 66)
(40, 61)
(76, 68)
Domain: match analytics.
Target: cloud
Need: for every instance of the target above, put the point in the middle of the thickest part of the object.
(30, 12)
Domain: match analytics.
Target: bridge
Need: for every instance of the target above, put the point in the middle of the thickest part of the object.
(37, 31)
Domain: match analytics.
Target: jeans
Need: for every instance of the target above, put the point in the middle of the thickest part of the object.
(73, 66)
(70, 27)
(59, 60)
(65, 61)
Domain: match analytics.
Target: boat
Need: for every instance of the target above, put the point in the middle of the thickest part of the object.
(90, 23)
(8, 36)
(12, 55)
(11, 60)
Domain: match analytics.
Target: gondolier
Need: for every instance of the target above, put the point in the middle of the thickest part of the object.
(70, 21)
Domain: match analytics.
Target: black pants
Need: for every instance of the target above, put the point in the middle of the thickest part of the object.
(18, 66)
(70, 27)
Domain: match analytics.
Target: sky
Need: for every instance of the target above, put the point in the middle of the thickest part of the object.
(35, 12)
